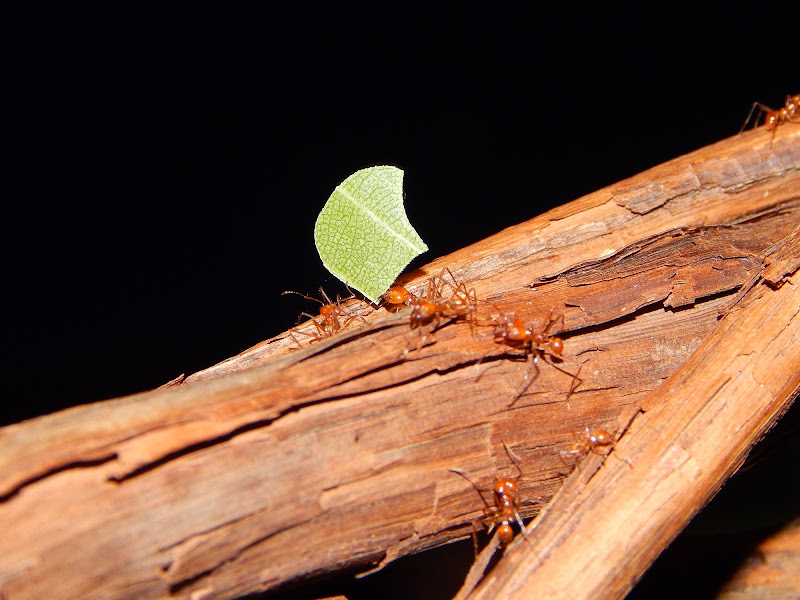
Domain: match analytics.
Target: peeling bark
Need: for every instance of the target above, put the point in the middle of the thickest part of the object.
(680, 307)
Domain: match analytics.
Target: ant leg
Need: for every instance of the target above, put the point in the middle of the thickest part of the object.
(524, 533)
(482, 373)
(316, 337)
(527, 380)
(325, 297)
(474, 536)
(294, 339)
(550, 322)
(453, 277)
(488, 511)
(350, 297)
(352, 318)
(747, 120)
(472, 483)
(512, 456)
(572, 386)
(763, 108)
(578, 449)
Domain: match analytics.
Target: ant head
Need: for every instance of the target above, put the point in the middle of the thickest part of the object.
(397, 295)
(329, 311)
(556, 346)
(505, 486)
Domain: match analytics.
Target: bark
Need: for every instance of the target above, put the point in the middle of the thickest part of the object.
(771, 572)
(676, 294)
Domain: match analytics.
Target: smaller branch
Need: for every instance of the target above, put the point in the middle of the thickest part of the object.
(596, 537)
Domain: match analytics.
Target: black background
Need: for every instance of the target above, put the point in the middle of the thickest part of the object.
(164, 170)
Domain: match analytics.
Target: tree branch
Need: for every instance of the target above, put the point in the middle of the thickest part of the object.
(678, 306)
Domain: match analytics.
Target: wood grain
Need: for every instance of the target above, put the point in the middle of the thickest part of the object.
(679, 300)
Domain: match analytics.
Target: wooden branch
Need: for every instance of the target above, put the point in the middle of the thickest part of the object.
(771, 571)
(678, 307)
(695, 431)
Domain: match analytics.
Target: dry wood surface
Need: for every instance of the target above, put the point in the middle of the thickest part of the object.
(676, 294)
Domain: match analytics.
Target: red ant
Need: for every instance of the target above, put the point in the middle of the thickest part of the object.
(789, 113)
(463, 302)
(330, 315)
(505, 511)
(592, 441)
(397, 296)
(512, 331)
(432, 306)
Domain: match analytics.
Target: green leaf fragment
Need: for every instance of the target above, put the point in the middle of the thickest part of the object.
(363, 235)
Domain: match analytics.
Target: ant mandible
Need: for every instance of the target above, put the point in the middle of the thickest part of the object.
(789, 113)
(512, 331)
(330, 316)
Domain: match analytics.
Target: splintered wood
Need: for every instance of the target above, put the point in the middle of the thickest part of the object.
(675, 294)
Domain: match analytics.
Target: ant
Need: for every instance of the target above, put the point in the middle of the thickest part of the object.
(330, 316)
(397, 296)
(505, 511)
(789, 113)
(462, 303)
(512, 331)
(433, 305)
(423, 308)
(592, 441)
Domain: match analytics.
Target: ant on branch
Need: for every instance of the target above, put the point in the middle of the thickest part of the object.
(433, 305)
(789, 113)
(593, 440)
(332, 316)
(505, 510)
(513, 332)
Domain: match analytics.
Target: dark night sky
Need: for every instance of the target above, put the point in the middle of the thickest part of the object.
(166, 171)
